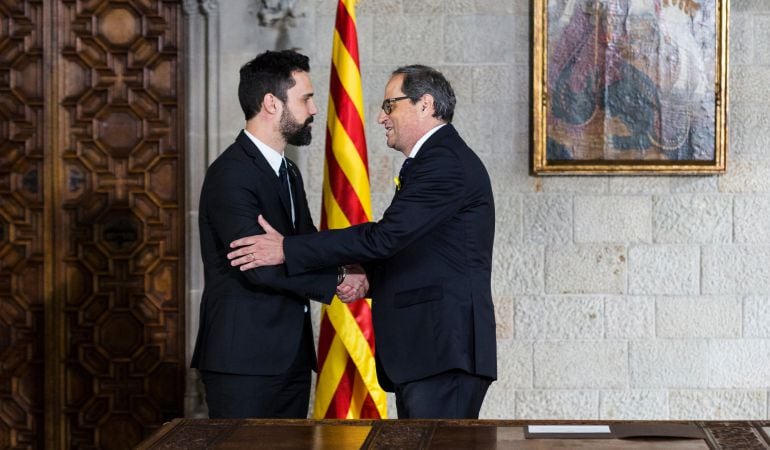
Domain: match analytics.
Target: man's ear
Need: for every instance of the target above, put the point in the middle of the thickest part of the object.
(270, 103)
(426, 104)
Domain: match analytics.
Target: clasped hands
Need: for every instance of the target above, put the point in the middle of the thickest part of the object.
(354, 286)
(267, 250)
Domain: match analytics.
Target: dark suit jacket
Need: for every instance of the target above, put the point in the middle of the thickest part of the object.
(251, 322)
(429, 261)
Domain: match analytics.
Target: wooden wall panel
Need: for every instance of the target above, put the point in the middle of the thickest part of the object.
(21, 224)
(121, 219)
(91, 222)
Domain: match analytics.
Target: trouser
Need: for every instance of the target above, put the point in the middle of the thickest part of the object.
(262, 396)
(449, 395)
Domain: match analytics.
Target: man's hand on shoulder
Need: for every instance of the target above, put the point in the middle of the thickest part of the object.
(258, 250)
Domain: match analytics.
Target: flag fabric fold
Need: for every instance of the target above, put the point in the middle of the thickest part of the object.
(346, 386)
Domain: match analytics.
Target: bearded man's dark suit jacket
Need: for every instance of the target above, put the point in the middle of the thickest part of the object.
(252, 322)
(429, 262)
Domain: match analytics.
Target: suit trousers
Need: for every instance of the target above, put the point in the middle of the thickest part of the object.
(455, 394)
(285, 396)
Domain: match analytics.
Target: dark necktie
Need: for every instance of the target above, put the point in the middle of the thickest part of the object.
(283, 178)
(401, 172)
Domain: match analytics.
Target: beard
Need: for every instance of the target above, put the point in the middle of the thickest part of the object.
(295, 133)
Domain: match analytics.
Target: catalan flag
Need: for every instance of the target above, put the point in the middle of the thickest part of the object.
(347, 385)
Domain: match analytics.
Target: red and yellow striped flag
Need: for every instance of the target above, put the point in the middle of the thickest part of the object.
(347, 385)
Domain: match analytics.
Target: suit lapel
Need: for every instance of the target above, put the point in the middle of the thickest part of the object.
(267, 173)
(443, 132)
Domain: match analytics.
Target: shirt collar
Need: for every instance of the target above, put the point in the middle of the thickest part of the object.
(422, 140)
(273, 156)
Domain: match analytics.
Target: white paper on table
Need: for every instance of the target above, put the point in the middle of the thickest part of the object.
(574, 429)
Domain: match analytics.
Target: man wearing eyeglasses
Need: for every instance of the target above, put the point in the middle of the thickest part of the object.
(428, 259)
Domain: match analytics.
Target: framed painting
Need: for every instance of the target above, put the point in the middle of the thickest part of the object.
(629, 86)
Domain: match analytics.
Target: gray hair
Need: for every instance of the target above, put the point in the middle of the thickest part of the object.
(420, 80)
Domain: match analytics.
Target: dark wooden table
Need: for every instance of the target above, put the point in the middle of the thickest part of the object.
(439, 434)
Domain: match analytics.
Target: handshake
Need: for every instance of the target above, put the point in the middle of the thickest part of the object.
(353, 284)
(266, 249)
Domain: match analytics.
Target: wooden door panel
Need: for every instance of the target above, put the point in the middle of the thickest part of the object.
(91, 222)
(120, 208)
(22, 252)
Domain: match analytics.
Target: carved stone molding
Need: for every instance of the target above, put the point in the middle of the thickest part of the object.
(202, 117)
(276, 12)
(210, 7)
(189, 7)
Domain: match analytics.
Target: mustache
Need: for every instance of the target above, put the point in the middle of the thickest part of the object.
(309, 121)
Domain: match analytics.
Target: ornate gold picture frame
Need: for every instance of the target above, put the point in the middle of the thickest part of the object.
(629, 86)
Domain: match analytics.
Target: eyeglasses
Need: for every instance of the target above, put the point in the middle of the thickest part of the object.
(387, 104)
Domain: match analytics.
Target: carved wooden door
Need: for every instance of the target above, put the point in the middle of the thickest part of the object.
(91, 221)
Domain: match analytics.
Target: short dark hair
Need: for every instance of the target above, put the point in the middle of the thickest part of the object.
(268, 73)
(420, 80)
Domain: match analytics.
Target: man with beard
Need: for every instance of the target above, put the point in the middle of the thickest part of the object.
(255, 343)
